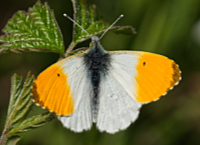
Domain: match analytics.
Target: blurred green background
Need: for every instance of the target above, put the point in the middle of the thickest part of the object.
(167, 27)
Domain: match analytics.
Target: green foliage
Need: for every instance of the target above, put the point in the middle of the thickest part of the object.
(13, 140)
(36, 30)
(88, 17)
(90, 20)
(19, 106)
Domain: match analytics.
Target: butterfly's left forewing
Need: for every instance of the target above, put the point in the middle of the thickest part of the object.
(133, 78)
(117, 106)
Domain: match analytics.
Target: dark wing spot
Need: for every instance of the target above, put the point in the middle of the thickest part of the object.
(176, 75)
(58, 74)
(144, 63)
(35, 95)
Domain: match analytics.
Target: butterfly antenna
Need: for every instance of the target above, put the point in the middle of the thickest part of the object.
(111, 25)
(65, 15)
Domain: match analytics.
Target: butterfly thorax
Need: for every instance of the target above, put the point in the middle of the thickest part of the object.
(97, 62)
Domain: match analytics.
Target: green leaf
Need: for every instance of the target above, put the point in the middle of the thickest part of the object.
(19, 106)
(20, 100)
(127, 30)
(13, 140)
(32, 123)
(87, 16)
(36, 30)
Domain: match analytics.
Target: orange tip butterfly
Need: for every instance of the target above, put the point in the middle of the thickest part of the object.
(104, 87)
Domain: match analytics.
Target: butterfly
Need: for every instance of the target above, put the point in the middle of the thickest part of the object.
(104, 87)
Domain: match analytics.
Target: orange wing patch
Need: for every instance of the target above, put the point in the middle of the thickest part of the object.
(52, 91)
(156, 74)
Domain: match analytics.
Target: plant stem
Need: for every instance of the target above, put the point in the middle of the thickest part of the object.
(70, 48)
(3, 138)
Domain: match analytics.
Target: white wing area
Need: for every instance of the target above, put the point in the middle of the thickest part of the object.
(81, 119)
(81, 87)
(117, 105)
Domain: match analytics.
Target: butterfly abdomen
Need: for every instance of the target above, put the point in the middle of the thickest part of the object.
(97, 62)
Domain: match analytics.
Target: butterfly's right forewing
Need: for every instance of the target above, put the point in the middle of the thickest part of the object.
(64, 89)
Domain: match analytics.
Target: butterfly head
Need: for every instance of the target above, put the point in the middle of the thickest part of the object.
(94, 42)
(95, 45)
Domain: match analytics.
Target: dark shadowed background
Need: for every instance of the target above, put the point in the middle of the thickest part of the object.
(167, 27)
